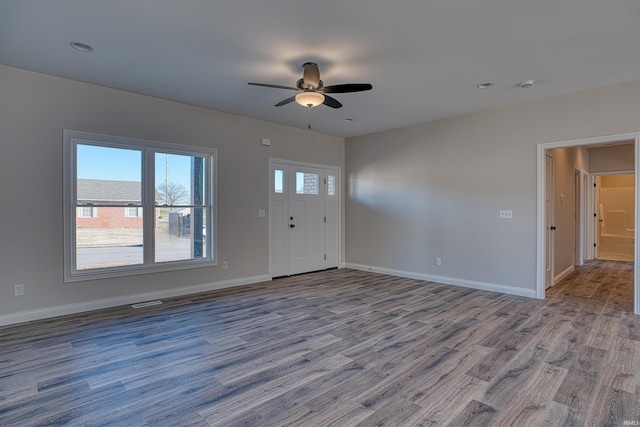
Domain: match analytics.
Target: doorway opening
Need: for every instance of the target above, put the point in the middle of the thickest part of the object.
(580, 235)
(615, 228)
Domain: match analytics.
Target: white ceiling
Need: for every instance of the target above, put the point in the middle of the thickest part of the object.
(424, 58)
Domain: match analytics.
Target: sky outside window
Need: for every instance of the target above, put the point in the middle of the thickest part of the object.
(120, 164)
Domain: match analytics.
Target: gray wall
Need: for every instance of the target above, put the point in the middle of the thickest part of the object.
(435, 189)
(611, 159)
(35, 108)
(413, 194)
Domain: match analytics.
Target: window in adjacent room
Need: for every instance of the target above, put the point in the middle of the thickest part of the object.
(156, 205)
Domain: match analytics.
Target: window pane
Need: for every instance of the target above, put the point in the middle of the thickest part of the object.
(108, 176)
(278, 181)
(134, 212)
(87, 212)
(180, 234)
(180, 179)
(108, 240)
(307, 183)
(123, 218)
(331, 185)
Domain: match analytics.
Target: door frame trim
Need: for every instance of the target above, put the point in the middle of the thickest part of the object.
(579, 226)
(540, 205)
(552, 280)
(273, 160)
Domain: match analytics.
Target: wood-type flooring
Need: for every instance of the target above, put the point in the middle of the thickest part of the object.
(337, 348)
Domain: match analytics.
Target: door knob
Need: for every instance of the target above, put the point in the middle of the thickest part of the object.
(292, 226)
(552, 228)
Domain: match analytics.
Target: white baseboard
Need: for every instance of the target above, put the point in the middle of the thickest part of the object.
(63, 310)
(492, 287)
(564, 274)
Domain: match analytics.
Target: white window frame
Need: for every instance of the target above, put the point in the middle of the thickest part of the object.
(127, 213)
(71, 139)
(93, 214)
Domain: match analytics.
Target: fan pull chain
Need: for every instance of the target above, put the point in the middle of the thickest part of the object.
(309, 117)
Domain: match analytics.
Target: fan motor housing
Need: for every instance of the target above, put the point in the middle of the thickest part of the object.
(300, 85)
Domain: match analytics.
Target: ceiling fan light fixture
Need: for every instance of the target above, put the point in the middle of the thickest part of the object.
(309, 98)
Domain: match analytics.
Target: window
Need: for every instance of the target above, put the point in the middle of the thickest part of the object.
(331, 185)
(307, 183)
(132, 212)
(87, 212)
(156, 205)
(278, 183)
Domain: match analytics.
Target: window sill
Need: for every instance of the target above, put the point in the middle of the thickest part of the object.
(107, 273)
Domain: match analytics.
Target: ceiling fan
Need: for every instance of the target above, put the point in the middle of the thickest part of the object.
(312, 91)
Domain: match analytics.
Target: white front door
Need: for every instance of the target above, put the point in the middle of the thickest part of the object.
(306, 219)
(303, 218)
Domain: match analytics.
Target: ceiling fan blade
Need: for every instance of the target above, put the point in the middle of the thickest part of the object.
(346, 88)
(273, 86)
(311, 76)
(286, 101)
(331, 102)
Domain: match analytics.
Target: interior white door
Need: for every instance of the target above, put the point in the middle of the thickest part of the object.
(598, 216)
(577, 215)
(549, 222)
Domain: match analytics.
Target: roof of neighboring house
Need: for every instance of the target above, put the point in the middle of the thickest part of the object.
(100, 190)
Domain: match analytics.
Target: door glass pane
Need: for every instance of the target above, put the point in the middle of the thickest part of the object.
(106, 238)
(180, 234)
(331, 185)
(278, 179)
(179, 179)
(307, 183)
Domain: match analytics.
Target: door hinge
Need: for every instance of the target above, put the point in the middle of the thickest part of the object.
(325, 257)
(594, 245)
(325, 219)
(594, 184)
(325, 181)
(595, 214)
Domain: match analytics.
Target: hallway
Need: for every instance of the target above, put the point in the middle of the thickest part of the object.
(598, 287)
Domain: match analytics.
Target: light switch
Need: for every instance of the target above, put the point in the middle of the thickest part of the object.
(506, 214)
(261, 213)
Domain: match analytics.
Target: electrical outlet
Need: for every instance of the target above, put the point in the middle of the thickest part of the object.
(225, 265)
(18, 290)
(506, 214)
(438, 261)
